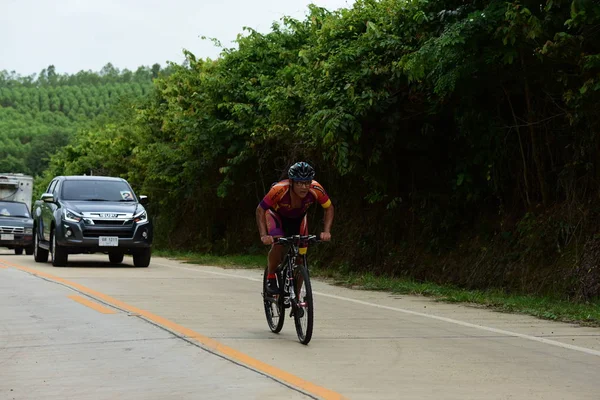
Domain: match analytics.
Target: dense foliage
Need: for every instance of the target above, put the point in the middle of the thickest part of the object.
(459, 140)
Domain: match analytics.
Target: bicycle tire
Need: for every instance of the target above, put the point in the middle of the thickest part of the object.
(304, 333)
(275, 322)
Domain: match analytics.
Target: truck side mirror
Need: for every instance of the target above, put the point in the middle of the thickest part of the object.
(143, 200)
(48, 197)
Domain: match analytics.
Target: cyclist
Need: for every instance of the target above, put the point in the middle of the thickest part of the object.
(282, 212)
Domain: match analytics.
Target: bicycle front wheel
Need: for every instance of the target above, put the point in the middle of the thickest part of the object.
(303, 309)
(274, 308)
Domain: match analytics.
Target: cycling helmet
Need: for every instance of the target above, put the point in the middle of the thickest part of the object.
(301, 171)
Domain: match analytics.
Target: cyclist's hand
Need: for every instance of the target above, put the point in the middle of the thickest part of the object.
(325, 236)
(267, 239)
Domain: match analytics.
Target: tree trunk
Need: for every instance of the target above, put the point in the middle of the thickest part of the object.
(535, 145)
(520, 146)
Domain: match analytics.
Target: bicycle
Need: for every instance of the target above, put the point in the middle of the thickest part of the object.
(295, 290)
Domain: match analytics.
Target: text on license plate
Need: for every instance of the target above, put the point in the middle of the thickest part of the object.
(108, 241)
(7, 236)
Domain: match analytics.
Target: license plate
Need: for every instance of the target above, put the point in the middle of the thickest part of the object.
(108, 241)
(7, 236)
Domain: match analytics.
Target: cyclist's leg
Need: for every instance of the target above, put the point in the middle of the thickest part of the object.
(275, 256)
(275, 229)
(302, 250)
(303, 232)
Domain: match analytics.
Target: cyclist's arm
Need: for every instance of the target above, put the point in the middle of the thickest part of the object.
(328, 217)
(261, 221)
(325, 202)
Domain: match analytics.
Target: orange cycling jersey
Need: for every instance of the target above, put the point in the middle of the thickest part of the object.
(279, 199)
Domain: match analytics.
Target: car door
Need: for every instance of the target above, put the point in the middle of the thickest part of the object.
(47, 211)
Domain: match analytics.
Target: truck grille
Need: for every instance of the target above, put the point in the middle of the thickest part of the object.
(12, 229)
(111, 222)
(107, 232)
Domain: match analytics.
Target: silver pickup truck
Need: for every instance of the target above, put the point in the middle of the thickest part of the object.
(16, 227)
(91, 214)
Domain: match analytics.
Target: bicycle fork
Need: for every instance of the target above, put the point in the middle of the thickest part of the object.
(289, 287)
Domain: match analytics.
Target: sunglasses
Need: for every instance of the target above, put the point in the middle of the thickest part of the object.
(302, 183)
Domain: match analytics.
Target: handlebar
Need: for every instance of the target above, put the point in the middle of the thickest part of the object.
(297, 240)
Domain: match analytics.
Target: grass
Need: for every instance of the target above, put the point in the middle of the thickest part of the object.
(539, 306)
(545, 307)
(230, 261)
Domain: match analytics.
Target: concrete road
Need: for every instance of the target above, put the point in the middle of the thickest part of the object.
(93, 330)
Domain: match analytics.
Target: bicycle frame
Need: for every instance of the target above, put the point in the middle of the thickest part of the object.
(288, 265)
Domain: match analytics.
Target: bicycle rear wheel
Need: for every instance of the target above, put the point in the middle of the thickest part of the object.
(303, 310)
(274, 308)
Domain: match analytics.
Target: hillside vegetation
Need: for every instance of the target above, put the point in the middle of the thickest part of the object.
(41, 113)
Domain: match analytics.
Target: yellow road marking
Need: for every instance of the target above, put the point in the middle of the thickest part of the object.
(204, 341)
(91, 304)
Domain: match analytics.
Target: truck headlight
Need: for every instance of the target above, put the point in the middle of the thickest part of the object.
(28, 231)
(71, 216)
(141, 217)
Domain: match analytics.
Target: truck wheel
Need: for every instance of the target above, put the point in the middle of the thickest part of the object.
(39, 254)
(59, 253)
(115, 258)
(141, 258)
(18, 251)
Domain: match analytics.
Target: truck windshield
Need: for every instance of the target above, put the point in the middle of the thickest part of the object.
(100, 190)
(13, 209)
